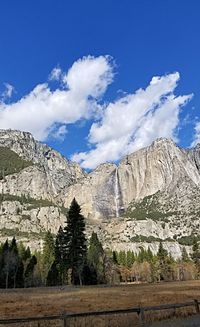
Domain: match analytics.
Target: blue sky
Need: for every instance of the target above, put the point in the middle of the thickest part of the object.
(69, 72)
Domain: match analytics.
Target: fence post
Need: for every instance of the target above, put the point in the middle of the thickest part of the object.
(196, 304)
(65, 321)
(142, 316)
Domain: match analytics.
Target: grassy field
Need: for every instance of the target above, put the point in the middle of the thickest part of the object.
(49, 301)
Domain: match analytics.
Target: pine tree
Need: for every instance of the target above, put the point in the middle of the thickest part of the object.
(149, 255)
(53, 275)
(14, 260)
(196, 254)
(75, 241)
(130, 258)
(114, 257)
(48, 253)
(184, 255)
(5, 265)
(30, 270)
(122, 258)
(60, 256)
(95, 257)
(165, 263)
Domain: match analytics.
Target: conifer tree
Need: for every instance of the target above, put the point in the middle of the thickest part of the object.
(122, 258)
(75, 241)
(130, 258)
(184, 255)
(6, 265)
(60, 257)
(48, 253)
(165, 263)
(114, 257)
(14, 260)
(95, 257)
(53, 275)
(196, 254)
(30, 270)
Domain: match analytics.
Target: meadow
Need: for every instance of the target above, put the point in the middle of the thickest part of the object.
(52, 301)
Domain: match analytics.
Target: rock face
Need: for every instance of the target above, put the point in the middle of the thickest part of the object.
(161, 167)
(50, 174)
(152, 195)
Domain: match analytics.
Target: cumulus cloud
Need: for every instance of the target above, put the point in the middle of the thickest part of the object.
(196, 135)
(131, 122)
(43, 110)
(134, 121)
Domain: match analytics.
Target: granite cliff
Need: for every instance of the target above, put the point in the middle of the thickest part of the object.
(153, 194)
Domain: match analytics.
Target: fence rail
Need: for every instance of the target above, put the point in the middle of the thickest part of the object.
(139, 310)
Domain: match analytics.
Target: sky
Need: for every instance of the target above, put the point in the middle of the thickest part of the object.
(97, 80)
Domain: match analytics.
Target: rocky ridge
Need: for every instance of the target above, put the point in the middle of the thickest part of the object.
(152, 195)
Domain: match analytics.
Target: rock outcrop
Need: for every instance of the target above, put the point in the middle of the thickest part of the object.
(152, 195)
(50, 174)
(109, 190)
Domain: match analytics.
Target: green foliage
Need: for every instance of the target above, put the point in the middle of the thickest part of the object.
(188, 240)
(75, 241)
(123, 258)
(130, 258)
(30, 271)
(11, 162)
(60, 257)
(165, 264)
(18, 233)
(148, 239)
(53, 275)
(184, 255)
(26, 199)
(12, 265)
(148, 208)
(95, 258)
(196, 254)
(48, 253)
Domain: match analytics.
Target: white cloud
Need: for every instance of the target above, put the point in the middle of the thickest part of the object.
(43, 109)
(134, 121)
(196, 135)
(8, 92)
(119, 128)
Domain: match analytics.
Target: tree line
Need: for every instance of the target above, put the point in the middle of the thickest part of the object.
(69, 259)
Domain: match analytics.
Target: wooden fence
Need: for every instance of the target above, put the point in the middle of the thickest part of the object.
(65, 317)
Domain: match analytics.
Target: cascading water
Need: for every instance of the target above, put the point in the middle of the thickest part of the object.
(117, 193)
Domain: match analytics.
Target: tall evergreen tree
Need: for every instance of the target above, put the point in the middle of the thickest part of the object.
(60, 257)
(165, 263)
(184, 255)
(48, 253)
(130, 258)
(95, 257)
(14, 260)
(30, 270)
(6, 264)
(75, 241)
(196, 254)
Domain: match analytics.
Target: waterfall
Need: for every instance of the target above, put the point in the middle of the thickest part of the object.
(117, 193)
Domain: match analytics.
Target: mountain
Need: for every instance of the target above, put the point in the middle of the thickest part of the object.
(152, 195)
(163, 168)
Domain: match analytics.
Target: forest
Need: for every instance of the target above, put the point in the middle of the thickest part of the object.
(68, 258)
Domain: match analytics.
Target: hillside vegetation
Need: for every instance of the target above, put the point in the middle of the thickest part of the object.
(11, 162)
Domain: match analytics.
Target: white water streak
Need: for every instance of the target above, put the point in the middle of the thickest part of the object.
(117, 193)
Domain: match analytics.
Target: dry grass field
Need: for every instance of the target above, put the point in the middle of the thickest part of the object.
(50, 301)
